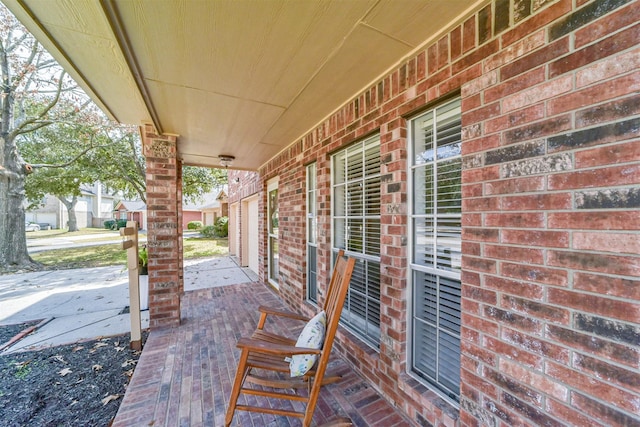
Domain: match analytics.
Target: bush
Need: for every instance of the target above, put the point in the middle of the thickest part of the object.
(113, 224)
(194, 225)
(208, 231)
(221, 227)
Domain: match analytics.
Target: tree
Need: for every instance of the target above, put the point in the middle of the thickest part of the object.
(59, 157)
(29, 77)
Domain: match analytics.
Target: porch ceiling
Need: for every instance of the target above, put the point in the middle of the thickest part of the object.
(238, 77)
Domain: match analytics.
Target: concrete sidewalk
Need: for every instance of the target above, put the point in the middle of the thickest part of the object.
(84, 304)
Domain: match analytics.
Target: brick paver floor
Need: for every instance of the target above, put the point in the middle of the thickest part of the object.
(184, 374)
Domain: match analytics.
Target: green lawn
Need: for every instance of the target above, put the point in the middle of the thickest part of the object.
(111, 254)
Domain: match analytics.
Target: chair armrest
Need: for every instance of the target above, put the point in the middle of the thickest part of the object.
(271, 348)
(282, 313)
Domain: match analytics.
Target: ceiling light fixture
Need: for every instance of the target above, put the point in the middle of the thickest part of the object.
(226, 160)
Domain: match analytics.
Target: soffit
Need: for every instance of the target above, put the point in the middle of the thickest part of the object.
(238, 77)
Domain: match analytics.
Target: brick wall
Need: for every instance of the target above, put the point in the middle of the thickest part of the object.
(551, 191)
(164, 233)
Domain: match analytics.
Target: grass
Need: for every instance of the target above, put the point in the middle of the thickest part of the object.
(111, 254)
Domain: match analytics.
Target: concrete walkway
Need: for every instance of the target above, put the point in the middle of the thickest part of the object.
(83, 304)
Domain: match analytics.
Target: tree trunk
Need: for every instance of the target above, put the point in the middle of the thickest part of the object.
(70, 205)
(13, 240)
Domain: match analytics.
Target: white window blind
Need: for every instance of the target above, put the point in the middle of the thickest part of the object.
(312, 233)
(356, 229)
(436, 255)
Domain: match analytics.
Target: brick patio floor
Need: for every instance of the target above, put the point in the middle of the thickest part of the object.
(184, 374)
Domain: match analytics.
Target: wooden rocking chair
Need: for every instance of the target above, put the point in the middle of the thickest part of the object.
(266, 352)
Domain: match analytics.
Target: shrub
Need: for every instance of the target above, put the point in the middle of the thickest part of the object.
(208, 231)
(194, 225)
(113, 224)
(221, 227)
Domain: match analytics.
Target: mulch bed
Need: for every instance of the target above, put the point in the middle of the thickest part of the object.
(80, 384)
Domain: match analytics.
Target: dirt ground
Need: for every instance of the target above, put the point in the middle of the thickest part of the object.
(80, 384)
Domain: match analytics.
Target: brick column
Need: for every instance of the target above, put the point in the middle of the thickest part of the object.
(164, 231)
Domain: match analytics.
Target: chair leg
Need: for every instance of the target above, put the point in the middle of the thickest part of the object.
(237, 385)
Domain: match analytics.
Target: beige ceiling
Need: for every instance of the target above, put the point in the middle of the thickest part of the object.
(240, 77)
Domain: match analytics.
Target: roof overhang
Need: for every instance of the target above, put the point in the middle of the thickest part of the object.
(237, 77)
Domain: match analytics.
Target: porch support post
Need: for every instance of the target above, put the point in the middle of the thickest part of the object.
(164, 230)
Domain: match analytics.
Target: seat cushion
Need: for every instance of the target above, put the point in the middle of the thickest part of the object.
(312, 336)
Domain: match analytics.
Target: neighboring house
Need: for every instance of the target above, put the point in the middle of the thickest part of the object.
(132, 210)
(92, 209)
(216, 209)
(208, 208)
(486, 177)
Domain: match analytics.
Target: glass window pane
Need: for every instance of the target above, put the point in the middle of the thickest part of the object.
(273, 268)
(356, 228)
(436, 213)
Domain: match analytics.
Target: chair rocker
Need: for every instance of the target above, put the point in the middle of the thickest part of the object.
(262, 360)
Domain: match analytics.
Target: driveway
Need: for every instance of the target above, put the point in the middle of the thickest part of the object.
(86, 303)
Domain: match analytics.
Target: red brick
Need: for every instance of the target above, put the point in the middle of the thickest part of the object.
(628, 379)
(598, 347)
(595, 304)
(514, 352)
(531, 341)
(515, 185)
(535, 273)
(481, 144)
(516, 50)
(569, 415)
(469, 34)
(549, 239)
(537, 21)
(609, 46)
(456, 42)
(516, 118)
(628, 289)
(608, 220)
(514, 220)
(533, 379)
(481, 114)
(548, 201)
(590, 385)
(478, 264)
(608, 155)
(536, 58)
(478, 383)
(603, 412)
(596, 178)
(534, 94)
(607, 25)
(536, 309)
(506, 318)
(517, 84)
(514, 287)
(593, 94)
(605, 241)
(513, 253)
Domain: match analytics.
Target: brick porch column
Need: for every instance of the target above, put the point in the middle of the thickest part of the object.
(164, 230)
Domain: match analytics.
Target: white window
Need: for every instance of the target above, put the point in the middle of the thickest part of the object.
(272, 230)
(435, 215)
(312, 234)
(356, 229)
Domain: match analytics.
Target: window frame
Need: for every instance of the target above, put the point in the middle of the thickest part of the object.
(272, 234)
(435, 269)
(311, 192)
(364, 284)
